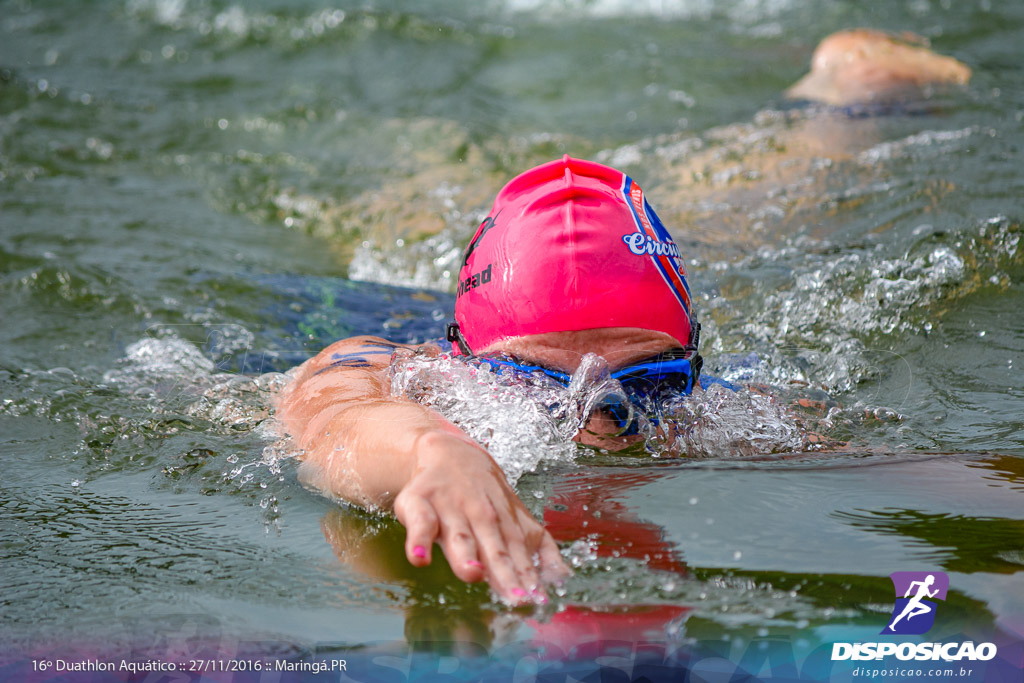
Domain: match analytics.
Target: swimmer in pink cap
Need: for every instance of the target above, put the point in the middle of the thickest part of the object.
(571, 260)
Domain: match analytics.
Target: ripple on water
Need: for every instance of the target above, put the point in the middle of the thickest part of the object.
(124, 552)
(165, 406)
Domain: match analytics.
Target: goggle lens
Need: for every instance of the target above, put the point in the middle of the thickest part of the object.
(673, 372)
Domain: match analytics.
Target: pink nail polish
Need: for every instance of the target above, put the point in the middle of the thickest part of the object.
(419, 551)
(518, 592)
(473, 563)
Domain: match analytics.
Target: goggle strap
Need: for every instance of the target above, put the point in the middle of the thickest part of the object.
(496, 363)
(453, 334)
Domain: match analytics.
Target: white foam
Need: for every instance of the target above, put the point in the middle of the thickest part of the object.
(526, 419)
(506, 415)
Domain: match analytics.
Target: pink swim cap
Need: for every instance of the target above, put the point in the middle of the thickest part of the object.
(570, 245)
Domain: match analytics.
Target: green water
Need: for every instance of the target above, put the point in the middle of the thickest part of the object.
(185, 188)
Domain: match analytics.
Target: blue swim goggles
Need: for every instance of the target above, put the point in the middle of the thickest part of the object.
(670, 373)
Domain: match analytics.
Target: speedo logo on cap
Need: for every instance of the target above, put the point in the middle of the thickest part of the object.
(474, 280)
(488, 223)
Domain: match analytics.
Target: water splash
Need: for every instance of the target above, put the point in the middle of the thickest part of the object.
(161, 365)
(719, 422)
(172, 388)
(855, 291)
(431, 263)
(811, 308)
(929, 144)
(238, 24)
(506, 414)
(524, 419)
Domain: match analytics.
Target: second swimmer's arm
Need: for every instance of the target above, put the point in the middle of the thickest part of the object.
(365, 446)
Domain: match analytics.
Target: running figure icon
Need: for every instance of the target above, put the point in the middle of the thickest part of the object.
(915, 606)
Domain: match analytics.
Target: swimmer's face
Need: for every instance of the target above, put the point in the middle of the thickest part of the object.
(620, 346)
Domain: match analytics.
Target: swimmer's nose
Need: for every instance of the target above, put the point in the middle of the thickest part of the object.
(618, 406)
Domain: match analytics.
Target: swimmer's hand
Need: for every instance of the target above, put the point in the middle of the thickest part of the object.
(459, 498)
(361, 444)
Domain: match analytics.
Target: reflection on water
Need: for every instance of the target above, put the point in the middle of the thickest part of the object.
(207, 195)
(633, 572)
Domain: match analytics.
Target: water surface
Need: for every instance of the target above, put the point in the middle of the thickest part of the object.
(195, 196)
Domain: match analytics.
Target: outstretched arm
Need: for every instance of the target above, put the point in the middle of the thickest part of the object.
(370, 448)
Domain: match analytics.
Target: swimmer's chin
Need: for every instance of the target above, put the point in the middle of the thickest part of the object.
(606, 442)
(601, 432)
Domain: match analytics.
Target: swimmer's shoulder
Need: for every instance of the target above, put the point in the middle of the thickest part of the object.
(363, 352)
(349, 369)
